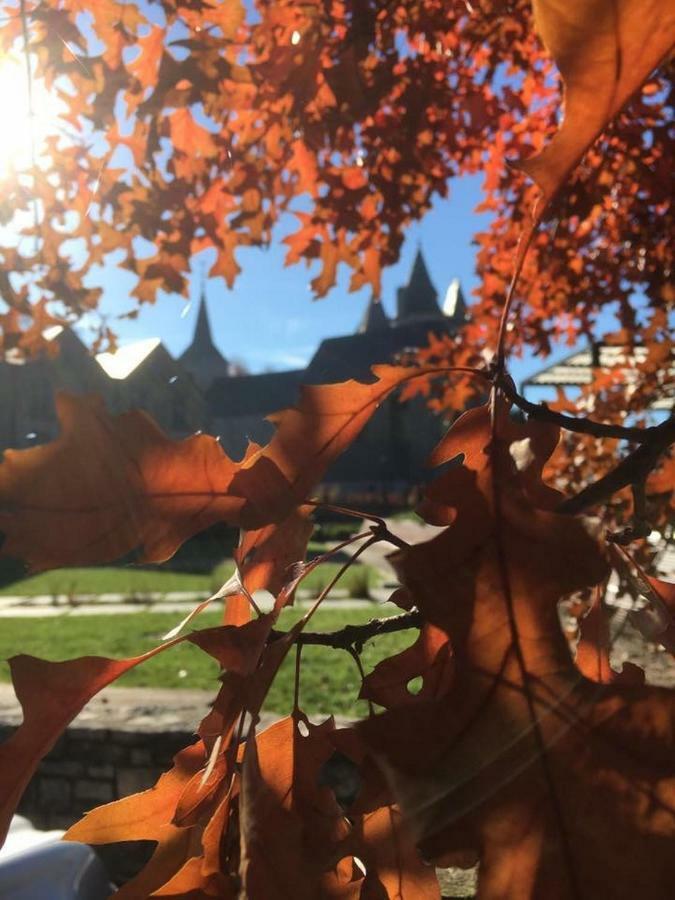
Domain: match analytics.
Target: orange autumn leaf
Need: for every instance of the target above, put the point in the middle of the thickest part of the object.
(604, 51)
(394, 868)
(112, 486)
(141, 817)
(428, 659)
(592, 656)
(293, 831)
(51, 694)
(146, 64)
(309, 436)
(265, 557)
(525, 761)
(303, 161)
(108, 487)
(330, 257)
(354, 178)
(188, 136)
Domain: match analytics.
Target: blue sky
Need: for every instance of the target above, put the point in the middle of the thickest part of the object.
(269, 319)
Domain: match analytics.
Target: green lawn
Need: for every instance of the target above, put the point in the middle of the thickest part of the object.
(139, 582)
(108, 580)
(329, 677)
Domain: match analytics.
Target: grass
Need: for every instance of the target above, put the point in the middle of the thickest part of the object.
(139, 582)
(329, 682)
(107, 580)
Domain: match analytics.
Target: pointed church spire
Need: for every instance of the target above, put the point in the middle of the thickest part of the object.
(202, 336)
(374, 318)
(202, 358)
(419, 298)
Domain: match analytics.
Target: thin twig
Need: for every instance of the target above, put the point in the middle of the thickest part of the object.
(379, 527)
(521, 252)
(355, 636)
(356, 656)
(631, 470)
(296, 689)
(585, 426)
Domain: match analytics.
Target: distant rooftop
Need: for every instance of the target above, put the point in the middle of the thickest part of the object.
(127, 358)
(576, 370)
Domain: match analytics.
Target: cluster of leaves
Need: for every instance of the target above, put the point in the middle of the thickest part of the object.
(506, 754)
(187, 125)
(540, 767)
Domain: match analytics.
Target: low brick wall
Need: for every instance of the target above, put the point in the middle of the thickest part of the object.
(91, 766)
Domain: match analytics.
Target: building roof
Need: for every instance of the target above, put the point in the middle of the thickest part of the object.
(244, 395)
(120, 363)
(419, 298)
(340, 358)
(576, 369)
(202, 358)
(353, 355)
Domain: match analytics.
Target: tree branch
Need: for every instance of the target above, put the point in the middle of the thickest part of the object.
(355, 636)
(632, 470)
(585, 426)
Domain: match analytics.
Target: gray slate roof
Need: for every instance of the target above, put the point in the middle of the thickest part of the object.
(244, 395)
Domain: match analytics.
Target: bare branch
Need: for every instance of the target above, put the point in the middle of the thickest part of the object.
(633, 470)
(379, 527)
(355, 636)
(587, 426)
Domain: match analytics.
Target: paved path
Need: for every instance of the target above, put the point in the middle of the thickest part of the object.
(35, 607)
(139, 709)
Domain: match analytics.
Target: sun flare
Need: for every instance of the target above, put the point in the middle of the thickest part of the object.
(29, 115)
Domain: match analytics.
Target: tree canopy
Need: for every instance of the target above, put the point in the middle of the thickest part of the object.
(193, 125)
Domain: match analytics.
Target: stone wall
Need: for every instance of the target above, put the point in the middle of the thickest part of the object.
(91, 766)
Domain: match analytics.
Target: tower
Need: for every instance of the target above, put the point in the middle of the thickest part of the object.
(202, 358)
(418, 300)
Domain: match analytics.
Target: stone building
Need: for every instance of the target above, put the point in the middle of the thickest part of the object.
(387, 458)
(203, 390)
(140, 375)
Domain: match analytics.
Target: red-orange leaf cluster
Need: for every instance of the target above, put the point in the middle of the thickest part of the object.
(507, 753)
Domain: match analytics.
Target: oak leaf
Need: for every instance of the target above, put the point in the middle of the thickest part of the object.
(146, 65)
(294, 834)
(604, 50)
(51, 694)
(394, 868)
(525, 760)
(111, 487)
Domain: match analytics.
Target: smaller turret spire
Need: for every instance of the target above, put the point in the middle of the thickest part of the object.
(374, 318)
(454, 305)
(202, 335)
(202, 358)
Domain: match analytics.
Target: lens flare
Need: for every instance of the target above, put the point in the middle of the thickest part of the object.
(29, 115)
